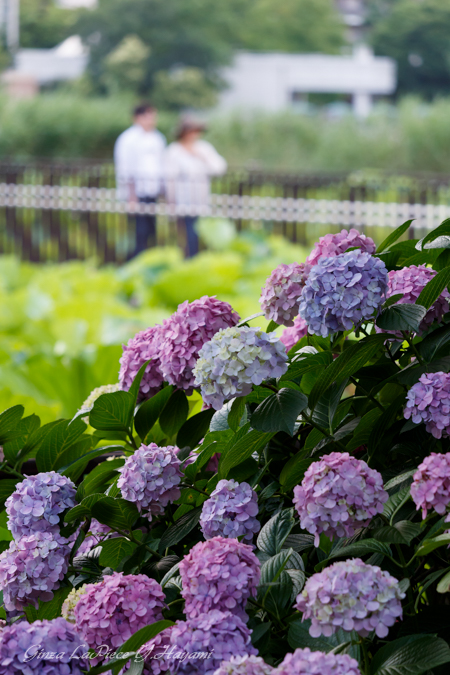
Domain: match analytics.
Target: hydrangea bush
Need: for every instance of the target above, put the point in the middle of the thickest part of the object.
(248, 499)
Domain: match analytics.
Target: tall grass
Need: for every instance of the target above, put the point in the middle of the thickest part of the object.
(411, 137)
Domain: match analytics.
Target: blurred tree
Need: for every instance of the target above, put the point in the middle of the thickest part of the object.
(416, 33)
(203, 34)
(44, 25)
(183, 88)
(291, 26)
(125, 66)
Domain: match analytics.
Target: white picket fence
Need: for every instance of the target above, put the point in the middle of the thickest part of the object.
(334, 212)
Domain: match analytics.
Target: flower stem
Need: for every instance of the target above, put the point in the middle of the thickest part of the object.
(413, 347)
(366, 393)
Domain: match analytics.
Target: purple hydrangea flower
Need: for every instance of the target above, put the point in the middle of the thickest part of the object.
(332, 245)
(150, 477)
(429, 401)
(306, 662)
(216, 635)
(343, 291)
(110, 612)
(144, 346)
(410, 282)
(430, 489)
(31, 569)
(338, 495)
(37, 503)
(42, 647)
(184, 334)
(280, 296)
(236, 359)
(154, 653)
(230, 511)
(246, 665)
(353, 596)
(290, 336)
(219, 574)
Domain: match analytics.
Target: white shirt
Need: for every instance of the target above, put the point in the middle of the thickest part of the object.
(187, 175)
(138, 157)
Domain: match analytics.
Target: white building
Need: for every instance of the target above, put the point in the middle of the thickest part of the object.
(67, 61)
(276, 81)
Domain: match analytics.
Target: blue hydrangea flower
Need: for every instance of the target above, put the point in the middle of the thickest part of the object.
(343, 291)
(37, 503)
(235, 360)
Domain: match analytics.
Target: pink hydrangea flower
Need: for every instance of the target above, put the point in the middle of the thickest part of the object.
(306, 662)
(230, 511)
(154, 653)
(144, 346)
(334, 244)
(217, 635)
(246, 665)
(150, 478)
(290, 336)
(338, 495)
(280, 296)
(429, 401)
(185, 332)
(410, 282)
(31, 569)
(219, 574)
(353, 596)
(430, 489)
(111, 611)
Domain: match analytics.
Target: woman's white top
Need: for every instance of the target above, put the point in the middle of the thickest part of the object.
(187, 174)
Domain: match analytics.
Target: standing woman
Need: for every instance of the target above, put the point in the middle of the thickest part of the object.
(189, 163)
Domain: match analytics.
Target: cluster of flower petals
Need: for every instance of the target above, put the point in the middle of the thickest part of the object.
(409, 282)
(69, 604)
(280, 296)
(185, 332)
(37, 503)
(430, 489)
(111, 611)
(230, 511)
(235, 360)
(31, 569)
(41, 647)
(143, 347)
(219, 574)
(290, 336)
(332, 245)
(150, 478)
(429, 401)
(338, 495)
(215, 635)
(154, 653)
(306, 662)
(245, 665)
(343, 291)
(351, 595)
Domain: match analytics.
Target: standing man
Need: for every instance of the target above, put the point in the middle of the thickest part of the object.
(138, 158)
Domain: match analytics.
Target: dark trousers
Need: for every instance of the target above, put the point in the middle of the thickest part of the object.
(187, 223)
(145, 227)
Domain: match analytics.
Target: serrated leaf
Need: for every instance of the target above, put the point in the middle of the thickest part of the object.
(360, 548)
(98, 477)
(429, 545)
(117, 513)
(24, 429)
(347, 363)
(306, 364)
(326, 406)
(57, 441)
(82, 510)
(112, 412)
(175, 413)
(433, 342)
(194, 429)
(253, 441)
(434, 288)
(9, 420)
(182, 527)
(299, 542)
(113, 550)
(274, 532)
(279, 412)
(412, 655)
(395, 502)
(443, 231)
(272, 568)
(364, 429)
(134, 389)
(393, 236)
(401, 318)
(150, 410)
(293, 471)
(237, 410)
(400, 533)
